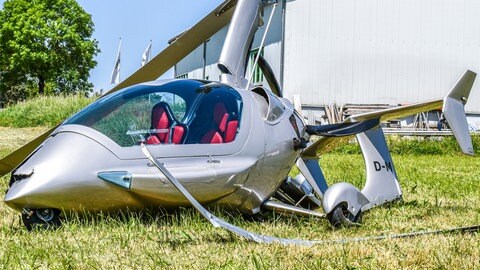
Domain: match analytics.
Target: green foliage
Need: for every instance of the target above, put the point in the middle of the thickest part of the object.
(45, 47)
(415, 146)
(42, 111)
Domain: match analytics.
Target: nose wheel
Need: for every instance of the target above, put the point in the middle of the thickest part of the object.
(41, 218)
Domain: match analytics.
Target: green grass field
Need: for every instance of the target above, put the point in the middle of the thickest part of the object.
(440, 191)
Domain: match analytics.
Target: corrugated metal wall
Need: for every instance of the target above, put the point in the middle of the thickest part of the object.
(378, 51)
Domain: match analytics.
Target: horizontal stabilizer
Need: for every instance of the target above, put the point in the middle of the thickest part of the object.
(453, 108)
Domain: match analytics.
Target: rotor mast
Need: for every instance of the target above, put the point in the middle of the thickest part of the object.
(236, 49)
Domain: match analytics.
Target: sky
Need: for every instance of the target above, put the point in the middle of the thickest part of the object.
(137, 22)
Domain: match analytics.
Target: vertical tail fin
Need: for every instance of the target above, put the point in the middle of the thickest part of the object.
(454, 110)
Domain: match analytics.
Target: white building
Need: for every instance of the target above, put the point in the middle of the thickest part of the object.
(362, 52)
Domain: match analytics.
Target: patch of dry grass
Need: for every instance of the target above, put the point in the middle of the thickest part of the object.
(439, 192)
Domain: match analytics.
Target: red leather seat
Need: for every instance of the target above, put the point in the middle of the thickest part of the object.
(226, 129)
(169, 130)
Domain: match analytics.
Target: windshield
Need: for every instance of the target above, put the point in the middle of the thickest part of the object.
(177, 112)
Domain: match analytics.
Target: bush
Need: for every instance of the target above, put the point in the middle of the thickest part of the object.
(42, 111)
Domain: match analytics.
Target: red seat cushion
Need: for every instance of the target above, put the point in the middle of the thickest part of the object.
(152, 140)
(212, 137)
(217, 138)
(178, 132)
(222, 126)
(231, 131)
(220, 116)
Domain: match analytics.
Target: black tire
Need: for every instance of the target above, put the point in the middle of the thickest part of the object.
(41, 219)
(341, 217)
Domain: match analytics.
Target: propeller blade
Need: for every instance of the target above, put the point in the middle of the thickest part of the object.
(176, 51)
(181, 46)
(270, 76)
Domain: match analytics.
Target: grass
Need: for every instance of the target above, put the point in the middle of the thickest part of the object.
(440, 191)
(42, 111)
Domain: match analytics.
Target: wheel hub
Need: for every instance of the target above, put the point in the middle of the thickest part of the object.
(45, 214)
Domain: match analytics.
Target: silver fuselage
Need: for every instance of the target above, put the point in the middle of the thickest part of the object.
(63, 173)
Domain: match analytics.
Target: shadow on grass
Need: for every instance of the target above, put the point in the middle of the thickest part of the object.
(177, 226)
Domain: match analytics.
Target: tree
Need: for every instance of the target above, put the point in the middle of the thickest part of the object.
(46, 46)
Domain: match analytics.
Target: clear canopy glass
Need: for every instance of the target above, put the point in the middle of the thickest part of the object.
(179, 111)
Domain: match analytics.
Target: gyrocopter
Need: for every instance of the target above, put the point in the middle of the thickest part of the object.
(171, 143)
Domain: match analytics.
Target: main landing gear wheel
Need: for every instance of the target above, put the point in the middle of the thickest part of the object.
(341, 217)
(41, 218)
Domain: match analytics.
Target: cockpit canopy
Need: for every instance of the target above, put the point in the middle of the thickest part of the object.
(176, 112)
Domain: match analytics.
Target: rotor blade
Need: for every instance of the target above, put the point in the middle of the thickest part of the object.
(270, 76)
(181, 46)
(10, 162)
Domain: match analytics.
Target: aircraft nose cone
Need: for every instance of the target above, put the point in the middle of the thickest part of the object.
(15, 197)
(21, 194)
(12, 199)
